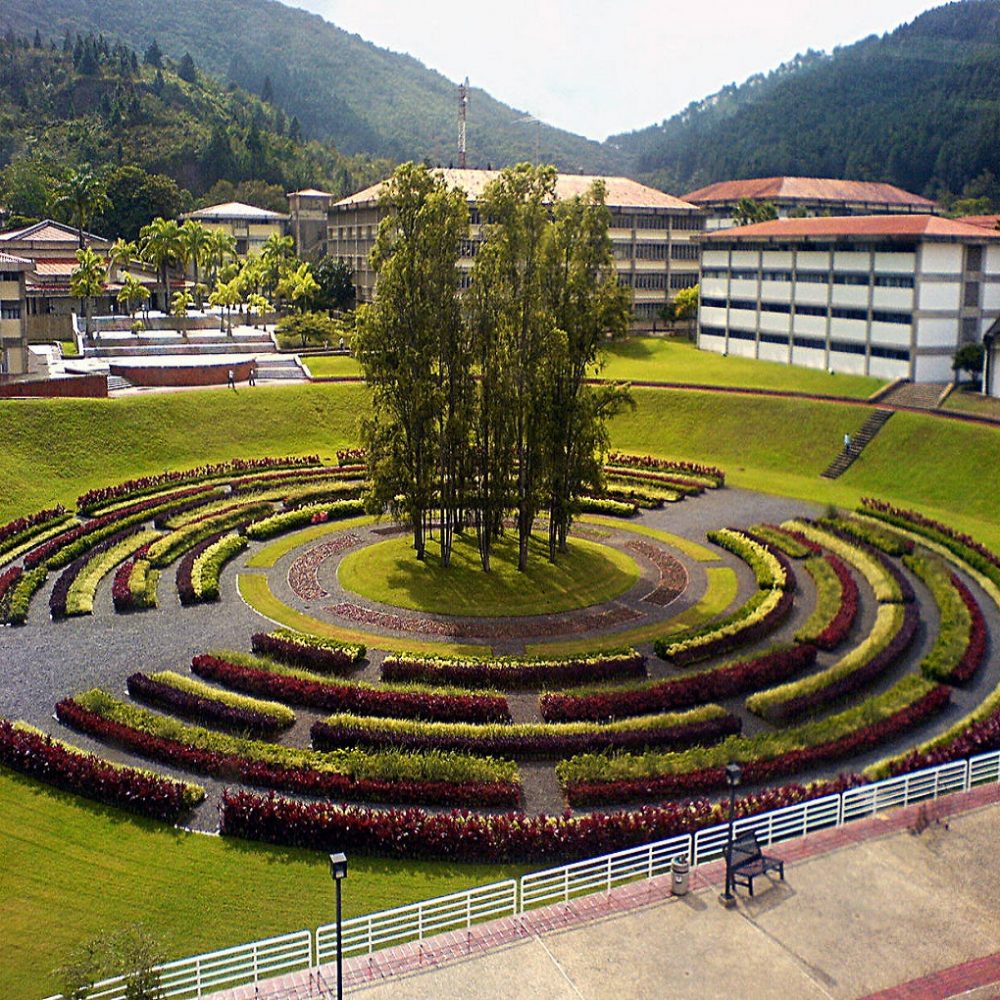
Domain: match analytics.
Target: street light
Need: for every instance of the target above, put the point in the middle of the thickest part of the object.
(338, 870)
(733, 774)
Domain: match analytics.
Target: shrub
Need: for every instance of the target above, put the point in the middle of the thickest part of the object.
(309, 651)
(298, 687)
(606, 506)
(21, 530)
(592, 779)
(756, 618)
(303, 329)
(515, 672)
(837, 601)
(724, 681)
(537, 740)
(784, 541)
(769, 569)
(28, 751)
(715, 476)
(352, 456)
(675, 484)
(8, 580)
(892, 635)
(434, 778)
(134, 586)
(207, 566)
(277, 524)
(960, 644)
(168, 548)
(871, 534)
(21, 593)
(203, 703)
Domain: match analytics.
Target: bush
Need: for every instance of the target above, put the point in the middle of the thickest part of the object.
(298, 687)
(168, 548)
(21, 593)
(28, 751)
(307, 329)
(535, 740)
(437, 779)
(592, 779)
(784, 541)
(194, 700)
(892, 635)
(837, 601)
(714, 476)
(770, 570)
(207, 566)
(761, 614)
(515, 672)
(871, 534)
(134, 586)
(278, 524)
(8, 580)
(604, 505)
(309, 651)
(21, 530)
(723, 681)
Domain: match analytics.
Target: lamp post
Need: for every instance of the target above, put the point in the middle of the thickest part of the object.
(338, 870)
(733, 774)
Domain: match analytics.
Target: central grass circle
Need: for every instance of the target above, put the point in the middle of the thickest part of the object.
(390, 573)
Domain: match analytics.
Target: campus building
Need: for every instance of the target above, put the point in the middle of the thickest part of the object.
(654, 235)
(308, 210)
(991, 361)
(249, 226)
(13, 315)
(806, 196)
(889, 296)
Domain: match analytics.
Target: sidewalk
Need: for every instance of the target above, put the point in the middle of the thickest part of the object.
(871, 909)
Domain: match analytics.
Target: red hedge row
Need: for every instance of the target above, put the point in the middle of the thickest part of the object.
(498, 839)
(334, 697)
(649, 462)
(185, 585)
(121, 586)
(975, 651)
(536, 745)
(772, 667)
(300, 780)
(300, 654)
(835, 633)
(19, 524)
(87, 775)
(878, 555)
(204, 710)
(8, 578)
(57, 599)
(666, 785)
(981, 737)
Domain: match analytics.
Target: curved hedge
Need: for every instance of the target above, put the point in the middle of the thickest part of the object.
(300, 517)
(312, 652)
(514, 672)
(770, 569)
(837, 600)
(298, 687)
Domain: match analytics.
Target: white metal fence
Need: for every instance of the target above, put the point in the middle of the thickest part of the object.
(199, 976)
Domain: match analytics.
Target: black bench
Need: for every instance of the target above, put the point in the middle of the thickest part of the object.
(748, 861)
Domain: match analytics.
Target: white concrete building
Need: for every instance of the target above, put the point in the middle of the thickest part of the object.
(13, 315)
(889, 296)
(798, 197)
(653, 234)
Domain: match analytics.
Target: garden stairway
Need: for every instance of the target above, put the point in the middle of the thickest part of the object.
(869, 429)
(915, 395)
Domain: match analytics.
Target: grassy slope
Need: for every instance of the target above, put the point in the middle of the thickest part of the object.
(72, 869)
(660, 359)
(332, 366)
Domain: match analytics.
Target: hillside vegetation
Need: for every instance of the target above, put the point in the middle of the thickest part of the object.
(918, 107)
(342, 89)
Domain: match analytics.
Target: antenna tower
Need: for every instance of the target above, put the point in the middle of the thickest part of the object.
(463, 103)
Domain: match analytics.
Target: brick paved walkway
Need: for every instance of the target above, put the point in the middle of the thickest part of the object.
(481, 941)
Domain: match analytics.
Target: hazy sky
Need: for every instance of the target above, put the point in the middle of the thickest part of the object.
(597, 67)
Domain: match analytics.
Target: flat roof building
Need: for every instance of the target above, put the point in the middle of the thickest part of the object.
(653, 235)
(889, 296)
(13, 315)
(806, 196)
(250, 226)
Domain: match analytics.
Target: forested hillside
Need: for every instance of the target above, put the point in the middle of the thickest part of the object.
(919, 107)
(164, 135)
(340, 87)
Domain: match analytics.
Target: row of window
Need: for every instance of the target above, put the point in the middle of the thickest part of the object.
(813, 277)
(10, 276)
(812, 343)
(837, 312)
(680, 223)
(834, 245)
(10, 310)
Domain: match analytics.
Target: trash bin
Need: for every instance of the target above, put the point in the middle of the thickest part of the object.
(681, 876)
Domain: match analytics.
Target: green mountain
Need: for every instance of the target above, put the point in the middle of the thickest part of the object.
(340, 87)
(919, 107)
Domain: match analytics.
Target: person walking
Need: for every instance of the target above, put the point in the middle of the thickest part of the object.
(252, 379)
(847, 442)
(232, 380)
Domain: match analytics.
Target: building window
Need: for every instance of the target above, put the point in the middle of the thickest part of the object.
(622, 251)
(973, 258)
(690, 223)
(714, 303)
(654, 281)
(742, 335)
(894, 280)
(9, 275)
(651, 221)
(621, 221)
(816, 343)
(651, 251)
(847, 347)
(743, 304)
(683, 281)
(850, 278)
(714, 272)
(774, 338)
(971, 296)
(777, 276)
(683, 251)
(474, 216)
(744, 275)
(881, 316)
(893, 353)
(813, 277)
(776, 307)
(713, 331)
(969, 329)
(810, 310)
(841, 313)
(647, 310)
(469, 248)
(10, 310)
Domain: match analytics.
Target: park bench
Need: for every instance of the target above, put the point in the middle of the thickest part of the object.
(748, 861)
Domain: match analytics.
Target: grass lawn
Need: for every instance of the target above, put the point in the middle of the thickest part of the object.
(72, 869)
(662, 359)
(967, 400)
(390, 573)
(69, 348)
(332, 365)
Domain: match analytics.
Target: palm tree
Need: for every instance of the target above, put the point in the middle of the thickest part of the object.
(83, 193)
(220, 248)
(180, 304)
(86, 282)
(122, 253)
(226, 295)
(160, 244)
(132, 294)
(298, 286)
(195, 239)
(276, 256)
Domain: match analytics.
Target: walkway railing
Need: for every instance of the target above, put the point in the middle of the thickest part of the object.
(251, 963)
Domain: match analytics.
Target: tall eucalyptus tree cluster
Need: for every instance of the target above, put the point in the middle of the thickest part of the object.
(480, 407)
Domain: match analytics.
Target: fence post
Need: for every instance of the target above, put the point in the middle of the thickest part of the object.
(608, 889)
(566, 886)
(197, 974)
(256, 970)
(468, 909)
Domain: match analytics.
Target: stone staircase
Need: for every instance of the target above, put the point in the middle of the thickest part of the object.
(276, 367)
(915, 395)
(859, 442)
(116, 383)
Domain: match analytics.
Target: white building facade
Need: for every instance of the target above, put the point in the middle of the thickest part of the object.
(887, 296)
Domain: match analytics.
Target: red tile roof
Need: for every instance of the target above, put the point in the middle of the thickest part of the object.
(922, 226)
(986, 221)
(822, 189)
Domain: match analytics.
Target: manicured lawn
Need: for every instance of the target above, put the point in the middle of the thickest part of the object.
(389, 572)
(332, 365)
(71, 869)
(973, 401)
(662, 359)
